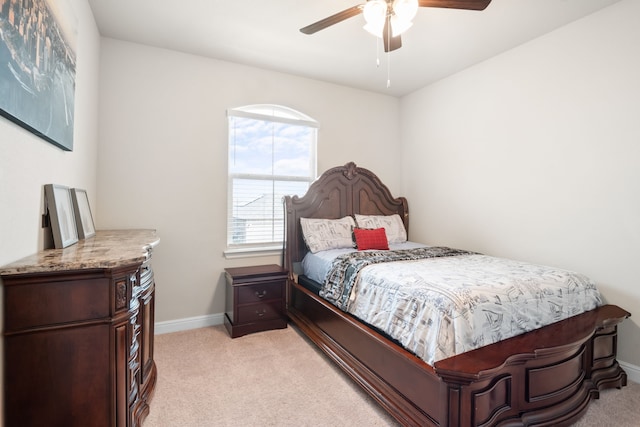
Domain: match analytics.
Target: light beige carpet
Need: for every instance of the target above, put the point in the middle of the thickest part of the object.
(278, 378)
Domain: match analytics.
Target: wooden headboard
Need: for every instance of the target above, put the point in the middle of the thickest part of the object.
(340, 191)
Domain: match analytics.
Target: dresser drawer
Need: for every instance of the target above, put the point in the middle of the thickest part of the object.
(248, 294)
(51, 303)
(258, 312)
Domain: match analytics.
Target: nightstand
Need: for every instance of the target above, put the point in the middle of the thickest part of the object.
(255, 299)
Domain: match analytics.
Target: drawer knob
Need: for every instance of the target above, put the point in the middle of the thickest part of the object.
(261, 313)
(261, 294)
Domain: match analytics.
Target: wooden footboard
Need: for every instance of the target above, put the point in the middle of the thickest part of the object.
(545, 377)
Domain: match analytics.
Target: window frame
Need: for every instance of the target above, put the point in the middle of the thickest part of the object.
(275, 114)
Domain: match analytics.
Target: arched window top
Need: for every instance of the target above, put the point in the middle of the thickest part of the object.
(273, 112)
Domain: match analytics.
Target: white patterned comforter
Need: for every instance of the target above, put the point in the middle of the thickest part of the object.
(440, 307)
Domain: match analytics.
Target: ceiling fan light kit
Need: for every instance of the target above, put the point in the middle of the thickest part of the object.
(375, 13)
(400, 13)
(399, 26)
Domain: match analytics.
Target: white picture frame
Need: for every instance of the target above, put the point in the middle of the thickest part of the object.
(62, 218)
(82, 210)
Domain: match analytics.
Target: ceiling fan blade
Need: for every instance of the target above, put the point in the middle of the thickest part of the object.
(390, 43)
(333, 19)
(456, 4)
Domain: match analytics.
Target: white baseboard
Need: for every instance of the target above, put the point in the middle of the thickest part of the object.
(188, 323)
(633, 371)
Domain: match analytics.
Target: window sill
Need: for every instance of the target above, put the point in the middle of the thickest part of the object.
(232, 253)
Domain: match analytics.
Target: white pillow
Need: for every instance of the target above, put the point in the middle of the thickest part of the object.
(324, 234)
(392, 224)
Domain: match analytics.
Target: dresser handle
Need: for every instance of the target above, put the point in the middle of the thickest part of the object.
(260, 314)
(261, 294)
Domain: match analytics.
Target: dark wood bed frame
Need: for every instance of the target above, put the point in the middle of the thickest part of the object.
(546, 377)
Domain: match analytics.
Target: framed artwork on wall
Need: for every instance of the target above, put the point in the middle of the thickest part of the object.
(84, 219)
(38, 72)
(62, 219)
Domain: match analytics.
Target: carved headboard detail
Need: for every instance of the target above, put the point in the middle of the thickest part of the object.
(340, 191)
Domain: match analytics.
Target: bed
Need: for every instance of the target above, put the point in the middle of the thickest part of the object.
(546, 376)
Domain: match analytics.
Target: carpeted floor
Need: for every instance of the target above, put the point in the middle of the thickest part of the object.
(277, 378)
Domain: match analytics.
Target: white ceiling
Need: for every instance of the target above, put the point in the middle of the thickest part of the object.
(266, 34)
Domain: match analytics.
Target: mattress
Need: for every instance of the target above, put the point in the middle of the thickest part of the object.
(317, 265)
(443, 306)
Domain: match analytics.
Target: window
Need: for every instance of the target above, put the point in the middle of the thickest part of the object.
(272, 153)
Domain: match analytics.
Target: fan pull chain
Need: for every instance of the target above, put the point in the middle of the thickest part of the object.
(388, 70)
(389, 53)
(388, 60)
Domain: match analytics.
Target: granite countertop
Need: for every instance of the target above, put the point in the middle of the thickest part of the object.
(107, 249)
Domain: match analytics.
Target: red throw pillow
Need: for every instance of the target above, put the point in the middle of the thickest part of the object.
(371, 239)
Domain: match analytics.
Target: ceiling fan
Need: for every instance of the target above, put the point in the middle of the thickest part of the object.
(390, 18)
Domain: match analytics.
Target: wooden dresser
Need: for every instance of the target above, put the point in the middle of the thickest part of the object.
(78, 333)
(255, 299)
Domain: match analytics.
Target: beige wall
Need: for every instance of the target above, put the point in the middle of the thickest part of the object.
(27, 162)
(163, 155)
(535, 155)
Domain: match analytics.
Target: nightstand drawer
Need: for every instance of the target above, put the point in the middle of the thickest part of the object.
(257, 312)
(259, 292)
